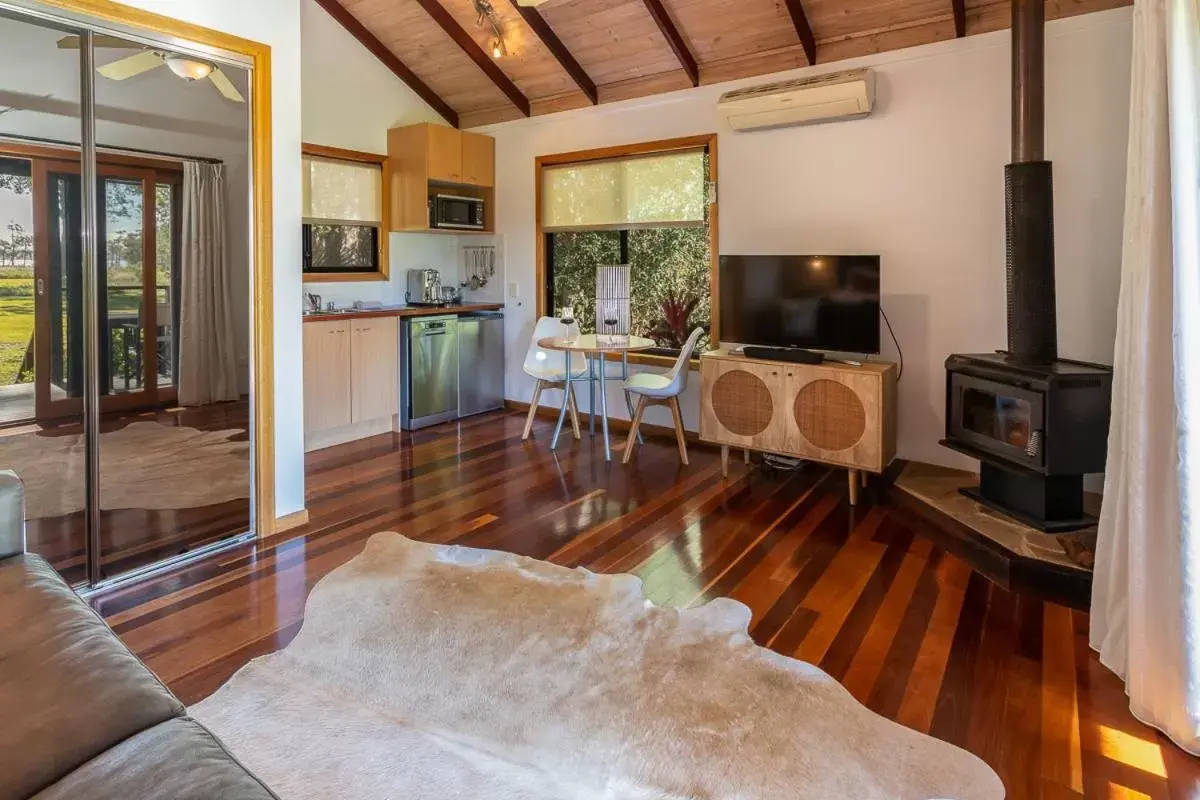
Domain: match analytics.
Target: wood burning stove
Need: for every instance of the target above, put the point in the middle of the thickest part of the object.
(1036, 429)
(1036, 422)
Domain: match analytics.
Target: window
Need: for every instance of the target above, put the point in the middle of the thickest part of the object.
(344, 233)
(646, 206)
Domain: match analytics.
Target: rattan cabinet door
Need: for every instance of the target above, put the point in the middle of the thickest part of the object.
(834, 415)
(742, 404)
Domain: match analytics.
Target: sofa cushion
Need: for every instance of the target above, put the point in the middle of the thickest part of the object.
(69, 689)
(177, 759)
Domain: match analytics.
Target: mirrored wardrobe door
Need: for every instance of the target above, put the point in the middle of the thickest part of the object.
(174, 315)
(41, 286)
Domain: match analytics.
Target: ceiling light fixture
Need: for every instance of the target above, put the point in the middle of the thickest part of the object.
(485, 17)
(189, 69)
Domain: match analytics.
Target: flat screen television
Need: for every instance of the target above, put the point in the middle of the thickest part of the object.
(812, 302)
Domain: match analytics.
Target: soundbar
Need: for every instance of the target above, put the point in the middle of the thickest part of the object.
(794, 355)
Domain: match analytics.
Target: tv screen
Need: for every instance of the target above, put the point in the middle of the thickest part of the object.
(814, 302)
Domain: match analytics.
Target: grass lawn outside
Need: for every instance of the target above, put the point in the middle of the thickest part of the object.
(16, 323)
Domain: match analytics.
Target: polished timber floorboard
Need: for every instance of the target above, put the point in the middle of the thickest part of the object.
(911, 631)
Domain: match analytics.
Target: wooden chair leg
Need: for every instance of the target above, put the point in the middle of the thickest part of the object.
(573, 407)
(631, 442)
(533, 407)
(677, 415)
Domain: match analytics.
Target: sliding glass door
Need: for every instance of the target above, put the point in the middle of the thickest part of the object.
(135, 288)
(106, 289)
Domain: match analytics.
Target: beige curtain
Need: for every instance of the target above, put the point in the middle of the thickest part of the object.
(1145, 620)
(207, 345)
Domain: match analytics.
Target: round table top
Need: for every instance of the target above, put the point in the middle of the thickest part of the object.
(597, 343)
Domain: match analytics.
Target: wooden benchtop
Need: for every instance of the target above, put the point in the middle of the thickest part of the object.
(872, 366)
(402, 311)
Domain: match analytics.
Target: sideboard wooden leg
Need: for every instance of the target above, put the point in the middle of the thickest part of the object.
(853, 487)
(725, 461)
(747, 453)
(864, 475)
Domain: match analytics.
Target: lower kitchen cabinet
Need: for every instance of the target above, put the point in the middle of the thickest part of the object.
(351, 379)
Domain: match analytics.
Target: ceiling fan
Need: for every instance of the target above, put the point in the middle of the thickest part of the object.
(190, 69)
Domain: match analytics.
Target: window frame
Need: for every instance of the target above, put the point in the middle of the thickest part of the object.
(706, 141)
(383, 272)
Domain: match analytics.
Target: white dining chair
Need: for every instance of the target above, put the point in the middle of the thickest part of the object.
(652, 388)
(548, 368)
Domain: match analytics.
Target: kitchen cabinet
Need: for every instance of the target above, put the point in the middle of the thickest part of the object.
(374, 359)
(428, 159)
(478, 159)
(326, 375)
(444, 151)
(351, 379)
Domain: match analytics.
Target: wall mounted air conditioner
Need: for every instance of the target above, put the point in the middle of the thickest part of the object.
(840, 95)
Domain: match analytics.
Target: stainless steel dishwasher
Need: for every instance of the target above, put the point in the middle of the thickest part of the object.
(480, 362)
(429, 391)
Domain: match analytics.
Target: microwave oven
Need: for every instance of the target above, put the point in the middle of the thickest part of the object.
(453, 211)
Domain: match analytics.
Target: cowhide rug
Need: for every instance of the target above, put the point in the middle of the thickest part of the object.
(429, 672)
(142, 465)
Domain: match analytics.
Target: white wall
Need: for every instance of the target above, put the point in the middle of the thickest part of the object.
(920, 182)
(350, 98)
(275, 23)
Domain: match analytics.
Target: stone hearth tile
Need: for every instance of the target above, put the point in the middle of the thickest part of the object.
(938, 487)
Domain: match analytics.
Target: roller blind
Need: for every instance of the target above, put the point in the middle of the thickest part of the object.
(636, 192)
(342, 191)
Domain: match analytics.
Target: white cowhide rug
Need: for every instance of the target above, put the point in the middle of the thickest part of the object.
(429, 672)
(142, 465)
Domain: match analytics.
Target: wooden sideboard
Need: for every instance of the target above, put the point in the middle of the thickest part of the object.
(834, 413)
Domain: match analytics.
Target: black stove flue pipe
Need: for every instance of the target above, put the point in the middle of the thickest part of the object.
(1029, 197)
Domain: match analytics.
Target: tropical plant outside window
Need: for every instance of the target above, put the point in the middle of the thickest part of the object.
(650, 212)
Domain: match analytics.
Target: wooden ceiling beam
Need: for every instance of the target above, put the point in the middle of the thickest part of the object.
(389, 59)
(559, 50)
(803, 30)
(675, 39)
(960, 17)
(469, 46)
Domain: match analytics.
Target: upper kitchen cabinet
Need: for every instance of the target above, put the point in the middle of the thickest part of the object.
(444, 149)
(478, 159)
(427, 161)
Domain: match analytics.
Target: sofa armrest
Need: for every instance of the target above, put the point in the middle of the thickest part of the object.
(12, 514)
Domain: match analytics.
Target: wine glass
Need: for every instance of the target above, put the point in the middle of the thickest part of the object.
(611, 318)
(567, 318)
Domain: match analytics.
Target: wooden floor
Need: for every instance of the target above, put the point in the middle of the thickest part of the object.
(134, 537)
(910, 630)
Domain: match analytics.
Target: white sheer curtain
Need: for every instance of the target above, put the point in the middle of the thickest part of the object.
(1145, 620)
(207, 345)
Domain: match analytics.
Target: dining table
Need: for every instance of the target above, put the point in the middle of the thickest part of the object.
(595, 348)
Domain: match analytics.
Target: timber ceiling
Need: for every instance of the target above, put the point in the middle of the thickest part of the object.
(571, 53)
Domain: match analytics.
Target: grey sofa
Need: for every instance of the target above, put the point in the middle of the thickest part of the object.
(80, 715)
